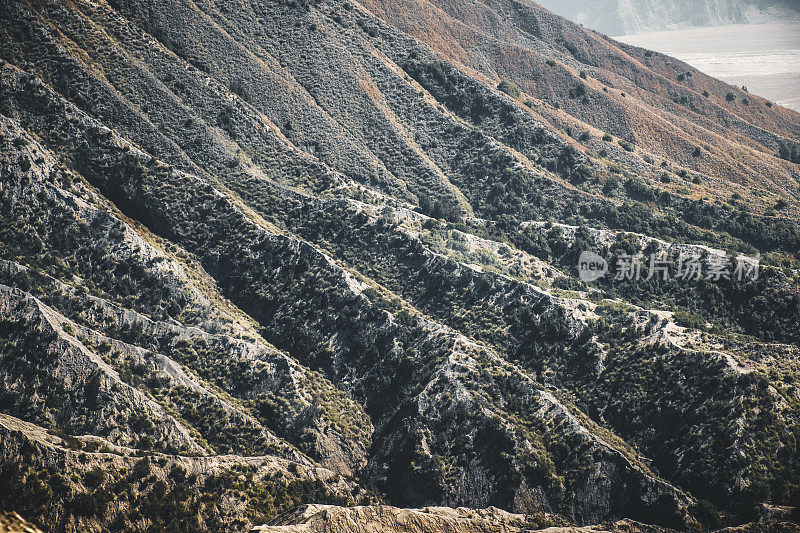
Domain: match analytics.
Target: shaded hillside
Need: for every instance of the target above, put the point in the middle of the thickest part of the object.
(261, 254)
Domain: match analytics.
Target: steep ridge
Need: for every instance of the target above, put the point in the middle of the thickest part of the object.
(384, 518)
(330, 519)
(289, 234)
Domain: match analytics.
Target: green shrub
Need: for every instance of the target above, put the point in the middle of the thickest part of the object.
(510, 88)
(688, 320)
(626, 145)
(94, 478)
(789, 151)
(577, 91)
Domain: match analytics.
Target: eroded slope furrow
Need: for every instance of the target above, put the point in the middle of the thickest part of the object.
(291, 289)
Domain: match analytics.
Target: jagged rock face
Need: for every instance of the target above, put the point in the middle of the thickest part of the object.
(293, 256)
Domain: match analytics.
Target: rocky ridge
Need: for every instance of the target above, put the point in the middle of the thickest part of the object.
(282, 253)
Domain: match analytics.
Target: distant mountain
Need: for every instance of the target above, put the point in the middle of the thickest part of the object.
(261, 254)
(623, 17)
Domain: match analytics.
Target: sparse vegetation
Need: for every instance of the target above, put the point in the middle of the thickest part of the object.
(309, 241)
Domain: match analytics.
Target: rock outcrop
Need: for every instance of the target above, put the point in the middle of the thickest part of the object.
(330, 519)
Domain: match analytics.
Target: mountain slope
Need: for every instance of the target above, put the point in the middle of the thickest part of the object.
(647, 99)
(290, 235)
